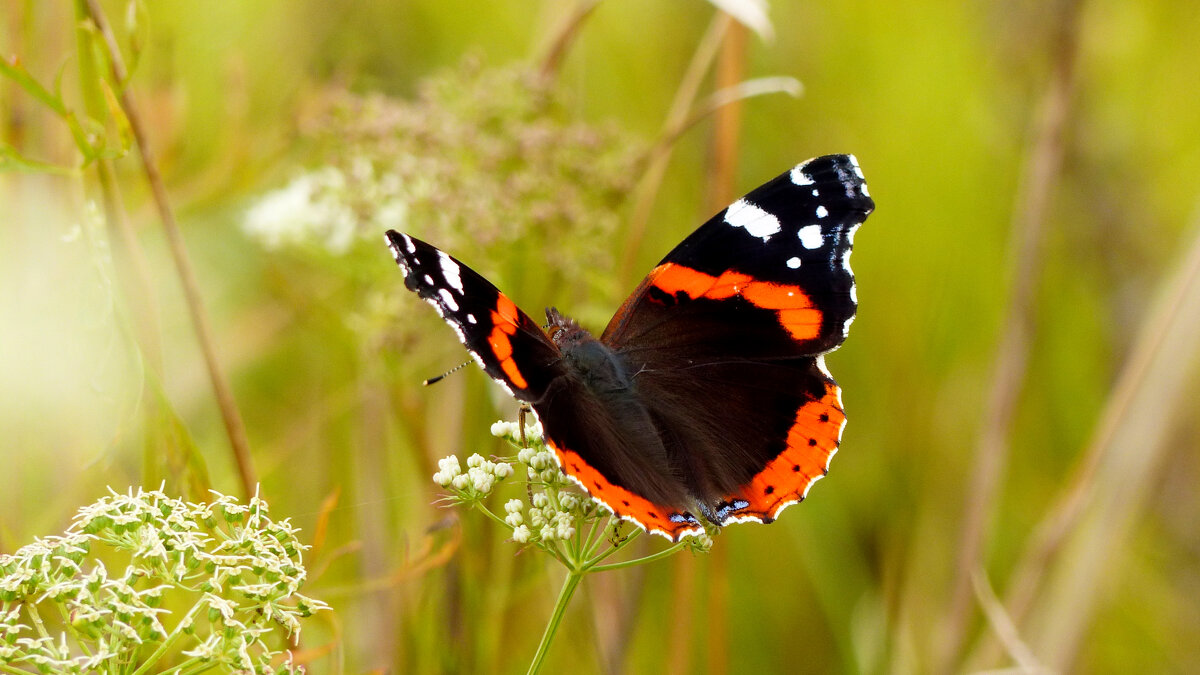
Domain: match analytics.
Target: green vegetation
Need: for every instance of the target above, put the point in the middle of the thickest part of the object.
(197, 295)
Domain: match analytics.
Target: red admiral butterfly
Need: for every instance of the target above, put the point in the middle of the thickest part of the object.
(707, 393)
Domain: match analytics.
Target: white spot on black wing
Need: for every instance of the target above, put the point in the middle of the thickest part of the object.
(448, 298)
(822, 211)
(756, 221)
(793, 262)
(799, 177)
(451, 272)
(810, 236)
(857, 169)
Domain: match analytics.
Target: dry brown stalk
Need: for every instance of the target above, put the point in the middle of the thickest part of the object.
(234, 426)
(1038, 180)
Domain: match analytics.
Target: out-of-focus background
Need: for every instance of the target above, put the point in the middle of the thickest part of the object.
(1017, 486)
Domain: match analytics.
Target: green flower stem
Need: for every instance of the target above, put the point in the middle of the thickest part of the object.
(66, 619)
(630, 563)
(595, 560)
(192, 666)
(592, 541)
(488, 512)
(574, 576)
(36, 617)
(171, 639)
(563, 551)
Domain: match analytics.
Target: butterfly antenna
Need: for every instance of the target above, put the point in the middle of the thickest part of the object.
(443, 375)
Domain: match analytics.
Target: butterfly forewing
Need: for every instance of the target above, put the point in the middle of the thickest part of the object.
(784, 247)
(506, 343)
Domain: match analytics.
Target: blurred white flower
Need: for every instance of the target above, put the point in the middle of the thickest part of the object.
(328, 207)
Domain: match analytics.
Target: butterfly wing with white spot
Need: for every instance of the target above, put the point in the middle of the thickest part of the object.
(791, 235)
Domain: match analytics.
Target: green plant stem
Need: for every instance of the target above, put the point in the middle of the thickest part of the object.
(194, 666)
(36, 617)
(66, 619)
(171, 639)
(638, 561)
(489, 514)
(574, 576)
(592, 542)
(596, 558)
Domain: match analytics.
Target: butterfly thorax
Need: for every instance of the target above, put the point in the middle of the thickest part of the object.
(600, 369)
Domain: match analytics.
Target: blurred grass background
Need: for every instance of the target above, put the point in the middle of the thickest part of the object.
(1020, 382)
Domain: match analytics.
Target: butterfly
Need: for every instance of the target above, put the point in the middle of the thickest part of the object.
(707, 396)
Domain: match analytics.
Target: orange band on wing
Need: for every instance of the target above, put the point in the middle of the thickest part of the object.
(652, 517)
(506, 312)
(504, 322)
(811, 443)
(792, 306)
(672, 279)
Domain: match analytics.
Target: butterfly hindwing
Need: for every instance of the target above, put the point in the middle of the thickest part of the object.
(609, 446)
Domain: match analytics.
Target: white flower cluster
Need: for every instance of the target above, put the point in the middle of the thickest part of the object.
(553, 521)
(547, 522)
(477, 482)
(239, 570)
(542, 466)
(555, 514)
(511, 431)
(326, 207)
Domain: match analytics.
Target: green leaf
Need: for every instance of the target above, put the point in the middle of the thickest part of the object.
(11, 160)
(13, 69)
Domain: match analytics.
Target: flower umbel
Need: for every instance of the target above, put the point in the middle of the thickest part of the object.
(483, 155)
(556, 518)
(188, 586)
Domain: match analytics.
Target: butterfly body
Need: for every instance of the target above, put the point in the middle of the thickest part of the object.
(707, 394)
